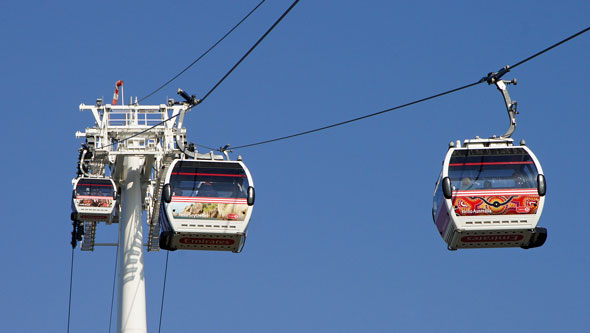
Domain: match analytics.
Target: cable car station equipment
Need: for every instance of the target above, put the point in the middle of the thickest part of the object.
(127, 158)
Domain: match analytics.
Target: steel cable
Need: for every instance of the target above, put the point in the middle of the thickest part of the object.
(550, 47)
(113, 292)
(163, 291)
(71, 282)
(484, 79)
(359, 118)
(204, 54)
(251, 49)
(218, 83)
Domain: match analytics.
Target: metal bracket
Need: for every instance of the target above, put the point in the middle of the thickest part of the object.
(190, 99)
(179, 137)
(189, 150)
(77, 232)
(495, 78)
(225, 149)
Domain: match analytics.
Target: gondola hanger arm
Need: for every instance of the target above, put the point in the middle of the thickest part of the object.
(495, 78)
(225, 150)
(190, 101)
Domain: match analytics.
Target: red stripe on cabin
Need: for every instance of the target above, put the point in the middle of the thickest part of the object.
(490, 163)
(206, 174)
(109, 185)
(471, 193)
(209, 200)
(93, 197)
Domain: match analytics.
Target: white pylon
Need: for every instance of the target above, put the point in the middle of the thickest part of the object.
(132, 305)
(133, 145)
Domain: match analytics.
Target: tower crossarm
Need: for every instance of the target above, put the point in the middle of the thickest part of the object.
(146, 131)
(133, 129)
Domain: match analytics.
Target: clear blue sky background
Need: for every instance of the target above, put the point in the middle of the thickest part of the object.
(342, 238)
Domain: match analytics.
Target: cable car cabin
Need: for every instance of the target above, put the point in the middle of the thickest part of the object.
(94, 199)
(206, 205)
(490, 194)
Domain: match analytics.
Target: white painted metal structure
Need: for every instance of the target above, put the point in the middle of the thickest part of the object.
(108, 144)
(133, 145)
(131, 315)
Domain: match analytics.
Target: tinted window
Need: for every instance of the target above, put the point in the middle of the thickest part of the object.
(216, 180)
(475, 169)
(94, 187)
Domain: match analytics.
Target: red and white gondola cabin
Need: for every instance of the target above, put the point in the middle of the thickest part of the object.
(490, 193)
(206, 205)
(94, 199)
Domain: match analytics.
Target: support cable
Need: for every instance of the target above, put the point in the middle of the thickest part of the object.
(205, 53)
(251, 49)
(163, 291)
(551, 47)
(490, 78)
(71, 282)
(113, 292)
(195, 101)
(206, 147)
(359, 118)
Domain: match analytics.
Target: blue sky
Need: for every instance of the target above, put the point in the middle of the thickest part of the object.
(342, 238)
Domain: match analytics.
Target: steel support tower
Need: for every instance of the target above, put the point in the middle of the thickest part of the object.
(133, 145)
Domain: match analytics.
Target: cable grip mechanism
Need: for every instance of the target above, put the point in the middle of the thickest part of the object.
(190, 99)
(225, 149)
(495, 78)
